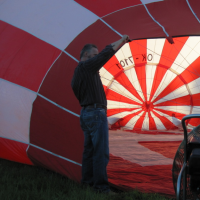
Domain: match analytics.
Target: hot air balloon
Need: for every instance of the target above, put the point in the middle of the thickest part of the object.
(150, 84)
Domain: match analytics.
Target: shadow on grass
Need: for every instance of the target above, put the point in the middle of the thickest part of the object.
(24, 182)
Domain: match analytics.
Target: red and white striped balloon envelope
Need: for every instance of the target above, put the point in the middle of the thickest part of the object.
(150, 84)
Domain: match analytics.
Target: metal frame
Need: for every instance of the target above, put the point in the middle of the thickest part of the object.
(183, 171)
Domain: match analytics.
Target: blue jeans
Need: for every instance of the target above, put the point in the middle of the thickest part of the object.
(96, 149)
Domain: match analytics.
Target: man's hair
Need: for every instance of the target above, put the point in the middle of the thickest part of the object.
(87, 48)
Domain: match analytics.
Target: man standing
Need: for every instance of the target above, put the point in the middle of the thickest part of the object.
(88, 89)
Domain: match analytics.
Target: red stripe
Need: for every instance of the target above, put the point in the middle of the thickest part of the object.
(111, 112)
(196, 99)
(57, 84)
(194, 122)
(140, 121)
(128, 118)
(141, 74)
(187, 76)
(195, 7)
(56, 130)
(104, 7)
(14, 151)
(149, 179)
(166, 122)
(166, 148)
(181, 101)
(125, 82)
(170, 52)
(59, 165)
(92, 34)
(3, 26)
(112, 66)
(159, 74)
(192, 72)
(171, 113)
(111, 95)
(135, 21)
(184, 24)
(175, 84)
(139, 51)
(25, 59)
(152, 124)
(117, 71)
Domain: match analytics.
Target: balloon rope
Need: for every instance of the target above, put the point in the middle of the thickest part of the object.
(192, 11)
(155, 20)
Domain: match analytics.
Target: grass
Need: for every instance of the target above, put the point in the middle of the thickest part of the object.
(24, 182)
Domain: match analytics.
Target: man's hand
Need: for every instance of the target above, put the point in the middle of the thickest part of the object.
(125, 38)
(117, 44)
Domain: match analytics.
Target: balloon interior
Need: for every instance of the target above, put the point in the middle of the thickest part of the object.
(150, 83)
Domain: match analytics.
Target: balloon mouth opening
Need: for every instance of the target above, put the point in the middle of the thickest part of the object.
(151, 85)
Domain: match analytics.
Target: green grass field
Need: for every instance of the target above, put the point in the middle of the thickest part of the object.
(24, 182)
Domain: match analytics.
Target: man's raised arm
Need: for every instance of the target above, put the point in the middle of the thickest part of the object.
(117, 44)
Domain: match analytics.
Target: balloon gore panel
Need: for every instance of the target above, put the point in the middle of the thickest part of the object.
(56, 130)
(14, 151)
(58, 80)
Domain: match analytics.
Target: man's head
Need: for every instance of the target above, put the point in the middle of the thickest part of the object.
(88, 51)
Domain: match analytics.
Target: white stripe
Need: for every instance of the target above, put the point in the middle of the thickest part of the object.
(131, 123)
(16, 106)
(192, 11)
(155, 20)
(41, 97)
(43, 150)
(117, 87)
(158, 122)
(49, 43)
(176, 121)
(150, 74)
(53, 22)
(194, 86)
(116, 104)
(188, 54)
(145, 125)
(106, 76)
(112, 119)
(196, 110)
(124, 56)
(132, 76)
(180, 92)
(154, 50)
(179, 109)
(166, 80)
(173, 119)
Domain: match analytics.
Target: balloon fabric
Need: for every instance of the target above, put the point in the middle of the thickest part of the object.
(150, 83)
